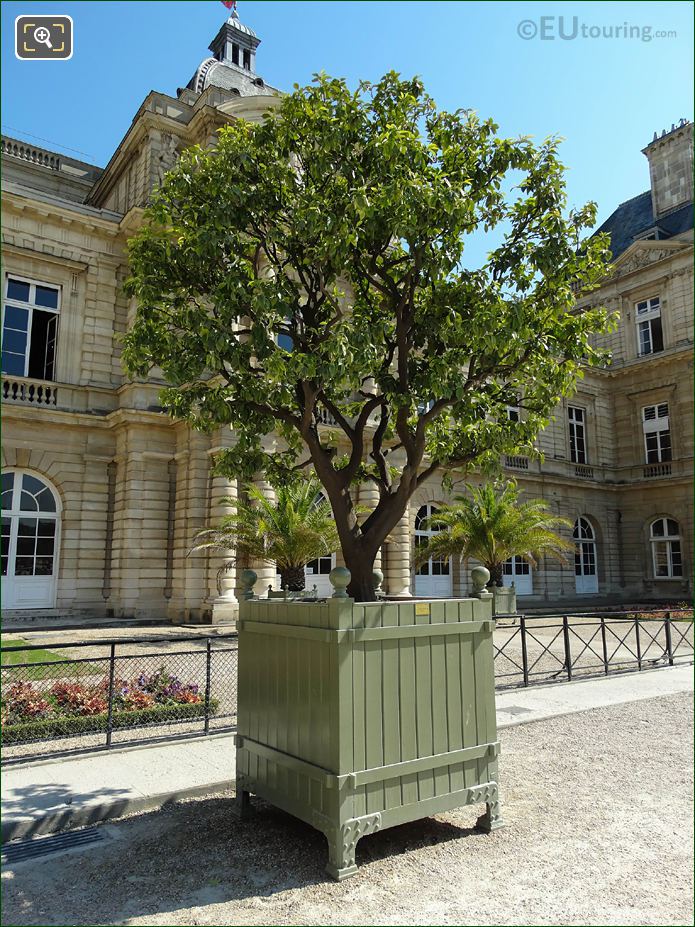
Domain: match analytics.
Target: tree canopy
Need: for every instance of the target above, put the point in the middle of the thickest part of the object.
(311, 268)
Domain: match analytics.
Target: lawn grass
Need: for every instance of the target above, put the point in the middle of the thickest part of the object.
(44, 658)
(26, 656)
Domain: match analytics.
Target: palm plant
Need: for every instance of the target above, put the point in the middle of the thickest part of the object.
(290, 531)
(491, 525)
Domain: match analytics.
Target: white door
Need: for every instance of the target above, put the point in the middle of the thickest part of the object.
(518, 571)
(585, 573)
(30, 538)
(433, 578)
(316, 574)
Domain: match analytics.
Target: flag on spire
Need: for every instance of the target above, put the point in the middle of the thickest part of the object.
(230, 4)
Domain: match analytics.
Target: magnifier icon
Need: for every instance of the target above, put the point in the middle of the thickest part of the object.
(43, 36)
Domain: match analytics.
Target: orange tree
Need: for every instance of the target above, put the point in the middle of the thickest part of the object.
(314, 264)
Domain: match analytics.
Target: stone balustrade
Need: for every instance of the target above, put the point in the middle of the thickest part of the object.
(26, 152)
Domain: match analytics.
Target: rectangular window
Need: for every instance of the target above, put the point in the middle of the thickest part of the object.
(577, 422)
(30, 329)
(650, 338)
(667, 559)
(657, 433)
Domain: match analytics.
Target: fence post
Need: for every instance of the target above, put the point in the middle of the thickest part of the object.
(524, 652)
(208, 667)
(605, 645)
(637, 642)
(112, 680)
(566, 637)
(667, 632)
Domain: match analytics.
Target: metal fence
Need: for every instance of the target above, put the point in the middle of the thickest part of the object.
(58, 697)
(552, 648)
(76, 695)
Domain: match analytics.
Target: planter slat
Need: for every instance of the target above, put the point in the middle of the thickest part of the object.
(408, 732)
(423, 720)
(436, 629)
(453, 758)
(443, 628)
(355, 717)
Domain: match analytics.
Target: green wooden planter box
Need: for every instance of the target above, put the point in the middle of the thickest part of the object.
(356, 717)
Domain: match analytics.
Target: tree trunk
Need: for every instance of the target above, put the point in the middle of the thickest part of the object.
(361, 567)
(496, 574)
(359, 544)
(293, 579)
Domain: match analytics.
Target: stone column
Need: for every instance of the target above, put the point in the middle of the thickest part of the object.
(139, 528)
(369, 499)
(615, 543)
(222, 583)
(397, 579)
(266, 572)
(189, 601)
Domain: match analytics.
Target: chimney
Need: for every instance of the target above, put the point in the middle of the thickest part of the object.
(670, 157)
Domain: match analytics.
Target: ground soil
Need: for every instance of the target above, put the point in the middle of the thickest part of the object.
(598, 808)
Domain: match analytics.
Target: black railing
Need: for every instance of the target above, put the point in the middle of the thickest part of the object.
(54, 698)
(551, 648)
(142, 689)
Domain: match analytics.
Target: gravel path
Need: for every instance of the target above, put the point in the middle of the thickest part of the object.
(599, 813)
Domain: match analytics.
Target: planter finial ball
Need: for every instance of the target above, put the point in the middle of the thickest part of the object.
(340, 579)
(377, 579)
(248, 581)
(480, 577)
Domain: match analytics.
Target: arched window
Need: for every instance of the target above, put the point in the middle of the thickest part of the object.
(30, 529)
(585, 573)
(664, 537)
(433, 577)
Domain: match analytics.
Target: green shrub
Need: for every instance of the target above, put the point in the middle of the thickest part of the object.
(49, 728)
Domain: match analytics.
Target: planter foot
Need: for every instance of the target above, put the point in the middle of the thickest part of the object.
(342, 842)
(243, 809)
(492, 819)
(340, 874)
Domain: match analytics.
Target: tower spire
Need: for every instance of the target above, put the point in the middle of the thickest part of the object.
(235, 44)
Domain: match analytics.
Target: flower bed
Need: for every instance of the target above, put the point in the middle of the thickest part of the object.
(69, 708)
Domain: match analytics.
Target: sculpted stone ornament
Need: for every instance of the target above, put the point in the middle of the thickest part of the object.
(248, 581)
(166, 158)
(643, 258)
(480, 577)
(340, 579)
(378, 578)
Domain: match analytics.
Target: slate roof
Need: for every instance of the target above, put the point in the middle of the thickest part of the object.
(635, 217)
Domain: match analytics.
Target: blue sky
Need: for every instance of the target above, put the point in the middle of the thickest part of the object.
(605, 96)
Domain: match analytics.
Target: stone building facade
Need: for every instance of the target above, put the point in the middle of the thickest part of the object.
(102, 492)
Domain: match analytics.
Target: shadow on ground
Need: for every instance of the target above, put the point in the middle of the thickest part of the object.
(198, 854)
(59, 805)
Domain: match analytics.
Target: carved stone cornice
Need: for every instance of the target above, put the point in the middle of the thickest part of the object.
(642, 254)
